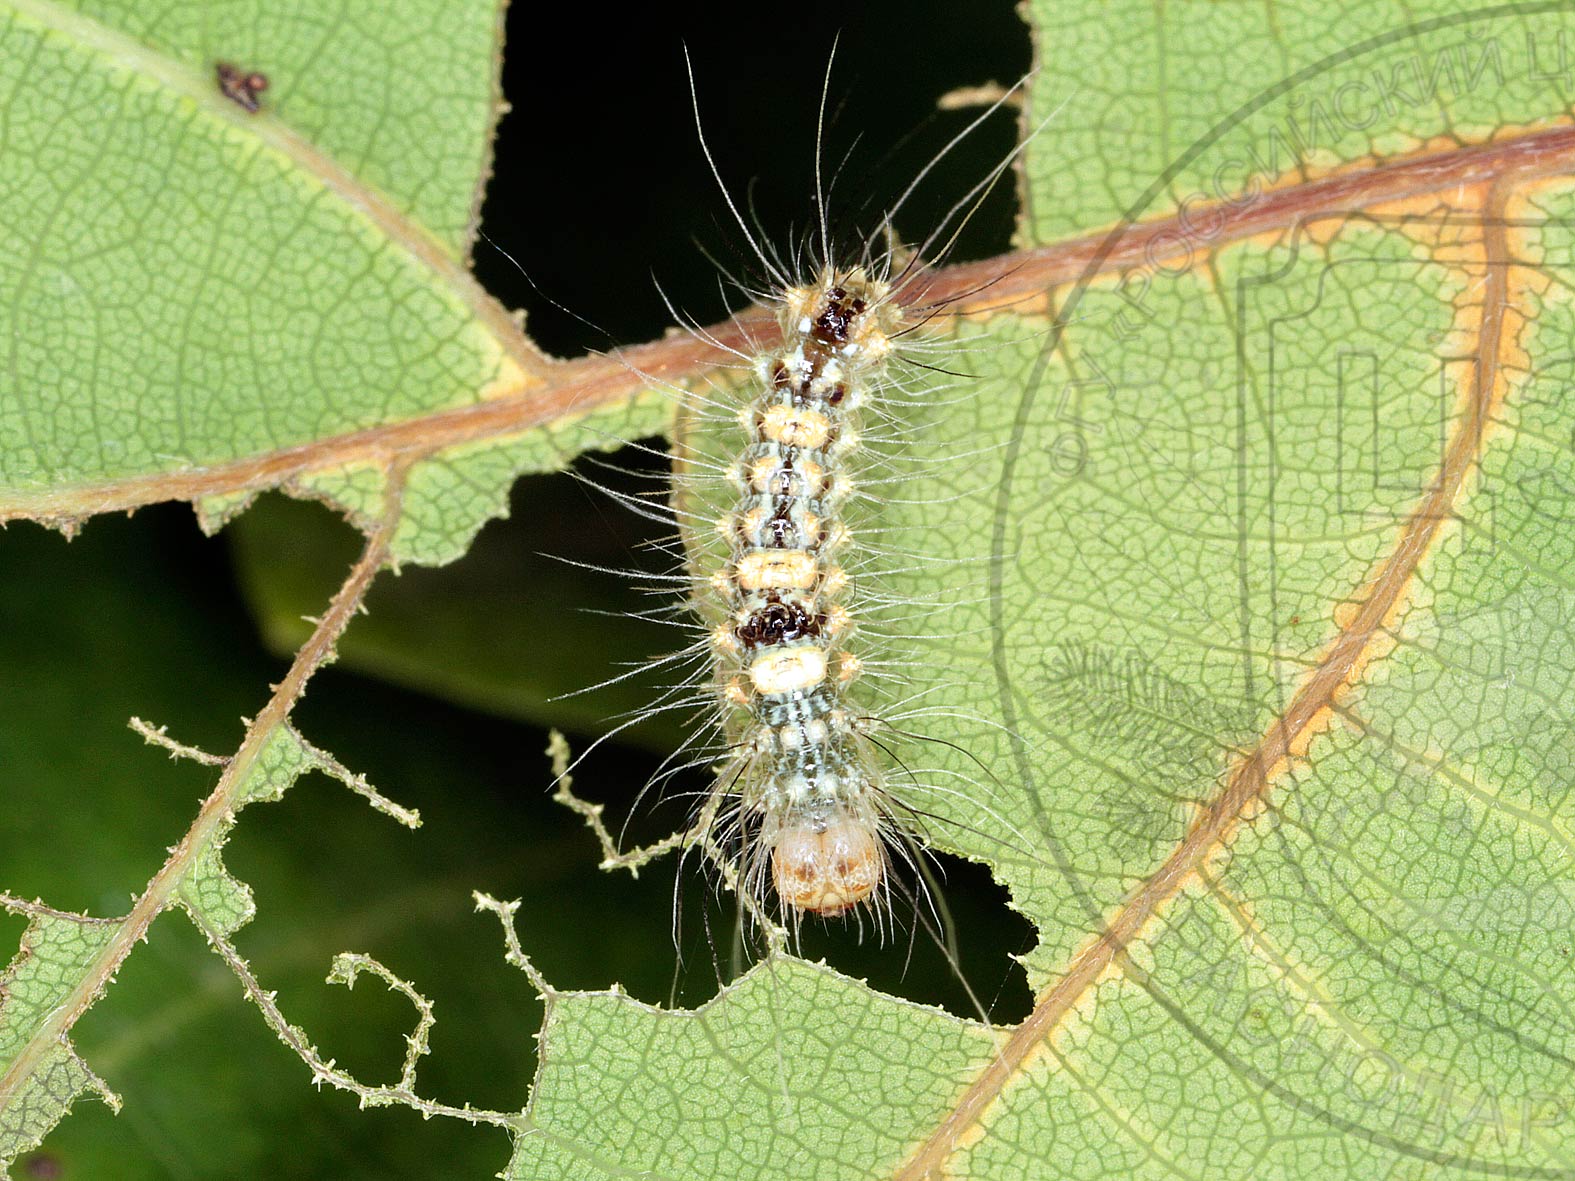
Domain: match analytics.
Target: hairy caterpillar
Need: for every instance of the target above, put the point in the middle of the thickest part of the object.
(805, 763)
(803, 816)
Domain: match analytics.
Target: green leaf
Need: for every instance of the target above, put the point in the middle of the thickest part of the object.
(193, 288)
(746, 1080)
(43, 1081)
(333, 85)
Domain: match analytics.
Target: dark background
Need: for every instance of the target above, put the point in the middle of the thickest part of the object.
(599, 193)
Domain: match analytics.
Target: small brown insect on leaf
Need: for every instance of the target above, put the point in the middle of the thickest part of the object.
(241, 87)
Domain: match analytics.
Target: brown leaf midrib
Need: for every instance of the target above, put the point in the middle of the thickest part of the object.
(570, 389)
(1250, 779)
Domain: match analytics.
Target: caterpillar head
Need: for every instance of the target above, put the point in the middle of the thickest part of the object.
(845, 312)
